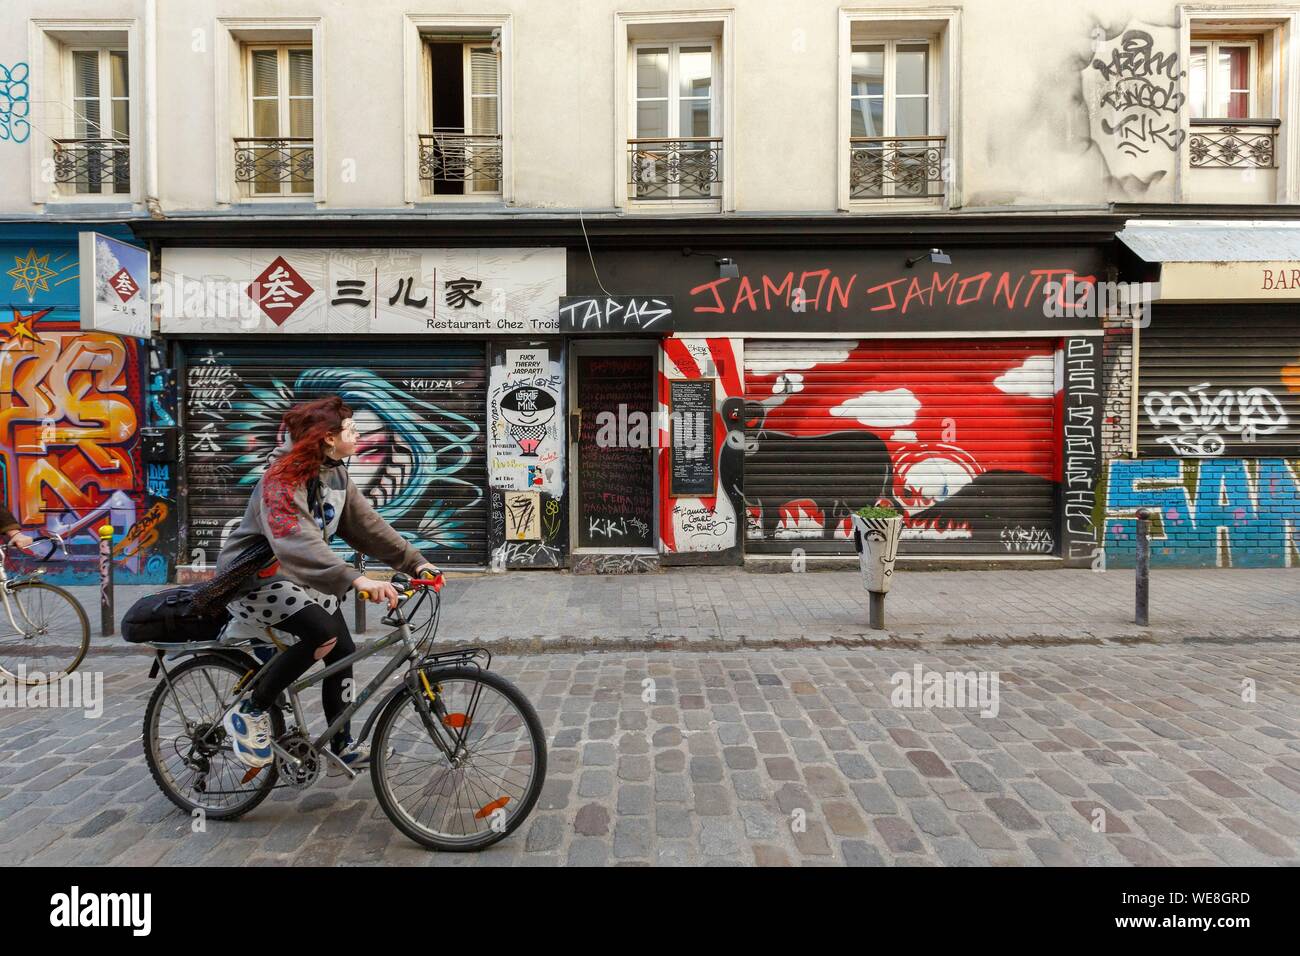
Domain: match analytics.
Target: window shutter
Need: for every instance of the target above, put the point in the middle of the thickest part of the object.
(485, 90)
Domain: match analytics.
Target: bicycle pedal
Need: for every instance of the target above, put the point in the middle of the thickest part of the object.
(338, 761)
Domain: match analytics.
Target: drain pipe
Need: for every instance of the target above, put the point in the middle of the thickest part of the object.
(1133, 398)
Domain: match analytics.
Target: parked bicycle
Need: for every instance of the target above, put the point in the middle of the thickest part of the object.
(458, 757)
(44, 633)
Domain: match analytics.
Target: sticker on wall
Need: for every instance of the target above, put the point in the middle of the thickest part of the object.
(523, 516)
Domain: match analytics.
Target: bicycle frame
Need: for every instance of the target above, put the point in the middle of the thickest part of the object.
(406, 655)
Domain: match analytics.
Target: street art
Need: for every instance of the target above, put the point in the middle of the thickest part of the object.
(1215, 512)
(1031, 540)
(1132, 86)
(69, 444)
(706, 523)
(526, 453)
(528, 554)
(1199, 415)
(525, 441)
(412, 461)
(15, 103)
(523, 516)
(924, 429)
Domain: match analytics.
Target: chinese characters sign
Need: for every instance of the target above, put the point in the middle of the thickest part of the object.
(114, 286)
(358, 291)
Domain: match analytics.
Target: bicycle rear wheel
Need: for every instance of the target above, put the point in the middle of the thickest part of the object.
(45, 634)
(186, 748)
(479, 798)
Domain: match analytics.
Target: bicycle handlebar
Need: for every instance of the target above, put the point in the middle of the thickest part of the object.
(406, 586)
(56, 540)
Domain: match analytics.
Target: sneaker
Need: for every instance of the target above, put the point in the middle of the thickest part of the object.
(355, 756)
(250, 734)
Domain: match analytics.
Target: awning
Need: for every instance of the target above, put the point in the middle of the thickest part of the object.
(1217, 260)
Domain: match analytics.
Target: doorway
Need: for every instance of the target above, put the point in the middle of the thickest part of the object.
(613, 433)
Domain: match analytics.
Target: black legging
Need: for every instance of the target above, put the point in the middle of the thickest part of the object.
(314, 628)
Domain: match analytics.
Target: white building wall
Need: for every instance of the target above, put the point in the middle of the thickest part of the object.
(1029, 107)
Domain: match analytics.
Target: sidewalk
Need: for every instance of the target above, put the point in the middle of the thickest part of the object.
(722, 609)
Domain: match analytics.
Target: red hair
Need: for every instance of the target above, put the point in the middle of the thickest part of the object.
(308, 424)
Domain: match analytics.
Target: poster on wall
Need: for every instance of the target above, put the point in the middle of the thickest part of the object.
(115, 290)
(690, 419)
(362, 291)
(525, 440)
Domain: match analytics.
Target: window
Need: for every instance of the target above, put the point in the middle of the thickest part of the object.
(1222, 78)
(891, 118)
(461, 150)
(277, 158)
(675, 149)
(95, 159)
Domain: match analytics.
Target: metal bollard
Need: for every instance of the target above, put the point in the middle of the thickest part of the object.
(1143, 566)
(876, 610)
(359, 612)
(106, 580)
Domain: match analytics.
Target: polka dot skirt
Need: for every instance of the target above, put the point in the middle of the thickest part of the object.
(272, 603)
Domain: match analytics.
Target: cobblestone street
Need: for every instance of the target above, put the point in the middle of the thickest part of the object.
(1098, 755)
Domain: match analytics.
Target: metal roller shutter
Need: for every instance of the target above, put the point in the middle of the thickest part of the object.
(420, 410)
(1219, 381)
(961, 436)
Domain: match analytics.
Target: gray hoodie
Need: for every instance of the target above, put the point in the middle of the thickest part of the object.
(300, 539)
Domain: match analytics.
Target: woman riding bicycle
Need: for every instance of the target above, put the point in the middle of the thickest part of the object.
(304, 498)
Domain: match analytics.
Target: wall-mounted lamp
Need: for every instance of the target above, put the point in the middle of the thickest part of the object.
(727, 267)
(937, 256)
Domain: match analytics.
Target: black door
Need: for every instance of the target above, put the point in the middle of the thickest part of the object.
(615, 465)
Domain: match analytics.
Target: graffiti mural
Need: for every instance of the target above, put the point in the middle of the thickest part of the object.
(1219, 382)
(1217, 512)
(1195, 419)
(1132, 84)
(709, 523)
(526, 454)
(419, 462)
(962, 439)
(69, 444)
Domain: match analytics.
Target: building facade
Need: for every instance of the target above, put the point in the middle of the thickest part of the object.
(673, 284)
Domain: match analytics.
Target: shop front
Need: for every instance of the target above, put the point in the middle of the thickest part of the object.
(965, 393)
(1214, 439)
(460, 416)
(77, 408)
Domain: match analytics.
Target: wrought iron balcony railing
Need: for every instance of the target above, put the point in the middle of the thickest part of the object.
(1233, 144)
(455, 162)
(274, 165)
(683, 167)
(896, 167)
(93, 165)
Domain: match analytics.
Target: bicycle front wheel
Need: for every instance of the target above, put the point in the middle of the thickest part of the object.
(44, 635)
(484, 790)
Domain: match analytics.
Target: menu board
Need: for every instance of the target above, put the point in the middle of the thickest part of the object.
(615, 477)
(691, 439)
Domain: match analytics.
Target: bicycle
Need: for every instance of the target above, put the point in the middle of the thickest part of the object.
(50, 626)
(450, 774)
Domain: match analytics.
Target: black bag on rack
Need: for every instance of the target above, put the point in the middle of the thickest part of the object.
(194, 612)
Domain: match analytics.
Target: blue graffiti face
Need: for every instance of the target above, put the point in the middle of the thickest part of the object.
(1212, 512)
(410, 457)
